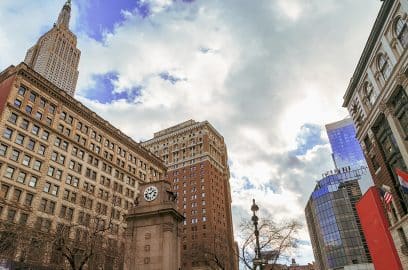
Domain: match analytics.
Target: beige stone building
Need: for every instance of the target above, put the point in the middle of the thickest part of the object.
(60, 163)
(55, 55)
(196, 158)
(377, 99)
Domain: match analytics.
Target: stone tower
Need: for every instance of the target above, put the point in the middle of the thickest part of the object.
(153, 240)
(55, 55)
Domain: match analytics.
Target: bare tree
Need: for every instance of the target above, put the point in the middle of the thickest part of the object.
(89, 239)
(275, 240)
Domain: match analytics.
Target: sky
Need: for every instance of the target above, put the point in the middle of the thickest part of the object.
(267, 74)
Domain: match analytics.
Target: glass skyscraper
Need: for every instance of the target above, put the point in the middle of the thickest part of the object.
(335, 231)
(345, 147)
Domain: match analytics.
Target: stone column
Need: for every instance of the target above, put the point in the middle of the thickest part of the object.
(394, 125)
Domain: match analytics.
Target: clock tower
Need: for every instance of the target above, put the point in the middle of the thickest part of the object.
(153, 229)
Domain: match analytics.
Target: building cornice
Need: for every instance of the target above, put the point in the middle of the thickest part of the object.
(183, 130)
(368, 49)
(24, 70)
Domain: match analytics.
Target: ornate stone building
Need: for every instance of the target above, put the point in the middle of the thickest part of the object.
(378, 103)
(196, 158)
(55, 55)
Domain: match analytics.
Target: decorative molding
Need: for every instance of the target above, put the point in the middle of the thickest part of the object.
(168, 227)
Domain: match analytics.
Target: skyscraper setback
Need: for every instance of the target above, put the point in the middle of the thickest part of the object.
(55, 55)
(196, 158)
(346, 149)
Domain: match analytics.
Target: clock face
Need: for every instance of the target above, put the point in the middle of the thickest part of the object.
(150, 193)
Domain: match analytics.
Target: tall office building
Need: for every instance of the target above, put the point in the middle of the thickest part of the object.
(377, 99)
(196, 158)
(335, 230)
(346, 149)
(55, 55)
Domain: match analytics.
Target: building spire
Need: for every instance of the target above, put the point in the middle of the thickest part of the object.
(65, 15)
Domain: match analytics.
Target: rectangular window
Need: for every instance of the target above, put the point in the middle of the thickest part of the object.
(31, 144)
(37, 165)
(33, 181)
(21, 90)
(4, 191)
(29, 199)
(21, 177)
(38, 115)
(45, 135)
(9, 172)
(17, 103)
(41, 150)
(11, 215)
(16, 195)
(24, 124)
(15, 155)
(28, 109)
(8, 133)
(13, 118)
(3, 149)
(23, 218)
(32, 96)
(26, 160)
(35, 129)
(19, 139)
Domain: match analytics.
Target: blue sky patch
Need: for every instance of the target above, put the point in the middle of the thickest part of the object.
(168, 77)
(308, 137)
(103, 91)
(101, 16)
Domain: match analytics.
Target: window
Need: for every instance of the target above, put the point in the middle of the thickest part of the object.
(26, 160)
(38, 115)
(8, 133)
(37, 165)
(3, 149)
(63, 115)
(28, 199)
(15, 155)
(48, 121)
(16, 195)
(13, 118)
(33, 181)
(23, 218)
(35, 129)
(9, 172)
(51, 108)
(17, 103)
(11, 215)
(401, 31)
(4, 191)
(47, 187)
(42, 103)
(32, 96)
(19, 139)
(28, 109)
(384, 66)
(370, 93)
(24, 124)
(41, 150)
(45, 135)
(21, 177)
(31, 144)
(21, 90)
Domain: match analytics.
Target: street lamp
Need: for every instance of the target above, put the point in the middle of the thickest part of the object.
(258, 260)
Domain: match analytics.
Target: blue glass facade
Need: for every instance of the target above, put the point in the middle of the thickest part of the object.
(335, 232)
(345, 147)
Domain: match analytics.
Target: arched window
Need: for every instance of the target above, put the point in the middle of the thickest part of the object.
(370, 93)
(401, 30)
(384, 66)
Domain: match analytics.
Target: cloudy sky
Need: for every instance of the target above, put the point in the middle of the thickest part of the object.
(268, 74)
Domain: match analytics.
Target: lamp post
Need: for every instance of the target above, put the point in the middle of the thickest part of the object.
(258, 260)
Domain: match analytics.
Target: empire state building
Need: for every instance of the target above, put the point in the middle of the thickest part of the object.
(55, 55)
